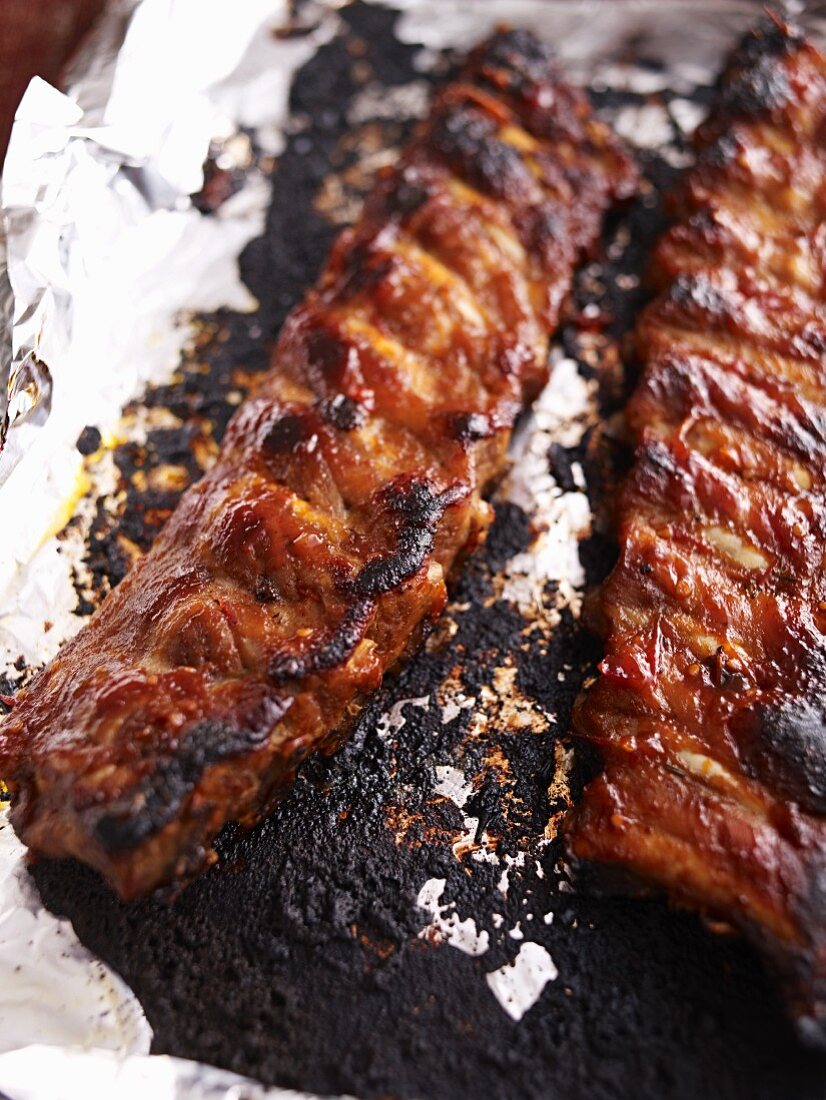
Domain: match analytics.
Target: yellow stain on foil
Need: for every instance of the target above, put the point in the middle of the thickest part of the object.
(83, 483)
(108, 442)
(66, 509)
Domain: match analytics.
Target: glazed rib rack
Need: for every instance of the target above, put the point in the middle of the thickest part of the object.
(709, 710)
(308, 561)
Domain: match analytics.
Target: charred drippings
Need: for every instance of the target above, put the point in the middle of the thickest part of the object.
(510, 534)
(89, 440)
(8, 688)
(561, 466)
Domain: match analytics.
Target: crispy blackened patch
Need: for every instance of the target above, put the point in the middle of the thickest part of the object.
(721, 151)
(159, 797)
(406, 196)
(515, 56)
(287, 433)
(657, 460)
(785, 746)
(415, 510)
(543, 229)
(770, 37)
(466, 140)
(754, 82)
(365, 266)
(342, 412)
(685, 382)
(328, 356)
(266, 590)
(470, 427)
(754, 90)
(334, 647)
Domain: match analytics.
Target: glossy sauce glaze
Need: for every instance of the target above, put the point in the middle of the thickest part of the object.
(307, 562)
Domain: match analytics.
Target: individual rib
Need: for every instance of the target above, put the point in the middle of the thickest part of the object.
(710, 709)
(308, 561)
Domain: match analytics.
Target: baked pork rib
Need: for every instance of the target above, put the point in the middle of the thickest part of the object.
(710, 710)
(305, 564)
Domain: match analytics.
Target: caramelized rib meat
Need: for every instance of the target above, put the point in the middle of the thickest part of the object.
(710, 709)
(305, 564)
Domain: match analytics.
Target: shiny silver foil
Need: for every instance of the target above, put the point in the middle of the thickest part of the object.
(102, 259)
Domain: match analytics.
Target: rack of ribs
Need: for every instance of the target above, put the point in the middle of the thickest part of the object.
(710, 707)
(308, 561)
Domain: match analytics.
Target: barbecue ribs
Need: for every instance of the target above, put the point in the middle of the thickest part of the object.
(710, 710)
(305, 564)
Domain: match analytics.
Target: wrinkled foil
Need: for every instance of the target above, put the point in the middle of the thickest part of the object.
(103, 244)
(103, 257)
(51, 1073)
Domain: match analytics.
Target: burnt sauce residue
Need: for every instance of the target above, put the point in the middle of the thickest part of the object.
(302, 958)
